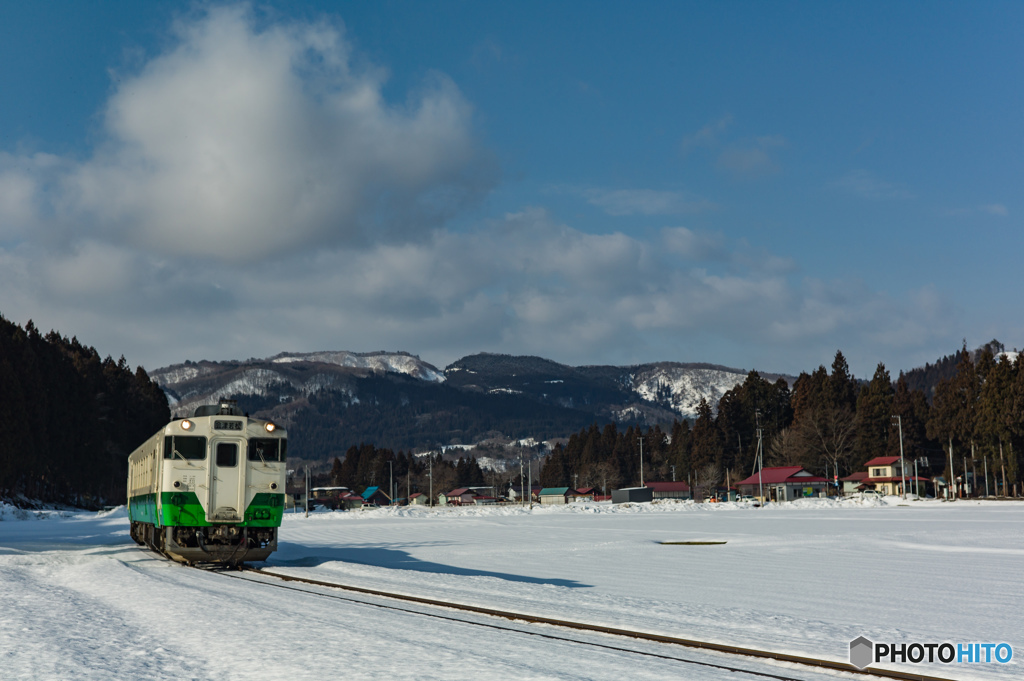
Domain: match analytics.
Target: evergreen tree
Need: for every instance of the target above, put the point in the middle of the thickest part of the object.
(874, 417)
(706, 447)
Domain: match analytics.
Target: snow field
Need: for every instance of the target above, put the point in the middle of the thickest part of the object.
(80, 600)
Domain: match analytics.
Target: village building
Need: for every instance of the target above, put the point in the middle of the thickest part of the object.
(670, 490)
(584, 494)
(555, 495)
(885, 474)
(516, 494)
(458, 497)
(854, 483)
(782, 483)
(632, 494)
(375, 496)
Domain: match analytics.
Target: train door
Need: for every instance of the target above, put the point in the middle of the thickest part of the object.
(227, 481)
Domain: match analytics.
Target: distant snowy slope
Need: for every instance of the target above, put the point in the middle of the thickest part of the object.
(398, 362)
(683, 387)
(289, 376)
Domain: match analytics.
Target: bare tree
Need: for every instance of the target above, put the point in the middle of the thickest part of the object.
(707, 479)
(606, 476)
(834, 429)
(785, 449)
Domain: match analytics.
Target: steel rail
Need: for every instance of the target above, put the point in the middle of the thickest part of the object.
(563, 639)
(614, 631)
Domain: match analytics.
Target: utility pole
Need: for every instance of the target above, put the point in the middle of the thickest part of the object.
(903, 478)
(430, 475)
(522, 479)
(391, 482)
(985, 464)
(529, 482)
(641, 460)
(760, 459)
(673, 473)
(307, 491)
(950, 491)
(964, 489)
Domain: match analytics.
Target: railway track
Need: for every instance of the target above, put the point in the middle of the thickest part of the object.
(816, 663)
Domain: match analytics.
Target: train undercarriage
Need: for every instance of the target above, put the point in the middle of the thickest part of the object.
(222, 544)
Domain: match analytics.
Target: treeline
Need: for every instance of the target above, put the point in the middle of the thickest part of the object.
(69, 419)
(367, 466)
(829, 423)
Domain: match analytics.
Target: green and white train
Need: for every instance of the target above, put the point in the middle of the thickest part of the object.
(209, 489)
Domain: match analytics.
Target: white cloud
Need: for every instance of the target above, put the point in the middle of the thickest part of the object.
(706, 136)
(995, 209)
(646, 201)
(240, 143)
(255, 192)
(865, 184)
(751, 159)
(523, 284)
(694, 245)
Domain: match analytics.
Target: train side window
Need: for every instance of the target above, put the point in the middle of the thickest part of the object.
(227, 454)
(188, 447)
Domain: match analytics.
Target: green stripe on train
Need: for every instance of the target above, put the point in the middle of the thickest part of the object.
(142, 508)
(182, 509)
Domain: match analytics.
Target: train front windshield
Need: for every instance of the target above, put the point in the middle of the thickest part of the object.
(267, 449)
(188, 447)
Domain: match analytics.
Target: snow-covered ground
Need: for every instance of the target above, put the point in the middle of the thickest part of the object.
(80, 600)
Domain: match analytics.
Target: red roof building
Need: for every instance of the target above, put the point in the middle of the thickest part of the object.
(885, 475)
(783, 483)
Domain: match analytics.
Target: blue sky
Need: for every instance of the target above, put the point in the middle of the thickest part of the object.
(750, 184)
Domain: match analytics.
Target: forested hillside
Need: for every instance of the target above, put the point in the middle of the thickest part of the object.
(828, 422)
(69, 419)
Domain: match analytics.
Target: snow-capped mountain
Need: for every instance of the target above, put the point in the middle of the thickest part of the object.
(682, 386)
(288, 376)
(397, 362)
(395, 399)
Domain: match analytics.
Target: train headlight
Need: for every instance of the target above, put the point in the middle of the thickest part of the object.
(186, 424)
(273, 485)
(270, 427)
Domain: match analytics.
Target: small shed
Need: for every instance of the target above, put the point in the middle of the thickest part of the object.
(375, 496)
(419, 499)
(670, 490)
(634, 494)
(350, 501)
(457, 497)
(855, 482)
(584, 494)
(555, 495)
(516, 493)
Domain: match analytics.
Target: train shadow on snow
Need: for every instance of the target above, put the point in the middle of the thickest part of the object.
(395, 559)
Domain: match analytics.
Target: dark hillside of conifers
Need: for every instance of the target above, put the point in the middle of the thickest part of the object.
(69, 419)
